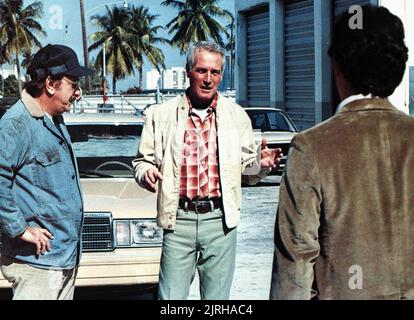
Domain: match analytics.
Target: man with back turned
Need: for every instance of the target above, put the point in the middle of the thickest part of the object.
(345, 220)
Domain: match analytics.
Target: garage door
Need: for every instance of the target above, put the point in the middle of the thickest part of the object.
(258, 59)
(300, 62)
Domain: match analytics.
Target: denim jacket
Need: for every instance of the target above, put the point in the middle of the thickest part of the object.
(39, 186)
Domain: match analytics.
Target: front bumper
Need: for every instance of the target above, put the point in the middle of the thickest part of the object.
(124, 266)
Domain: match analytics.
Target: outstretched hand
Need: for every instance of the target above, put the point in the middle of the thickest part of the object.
(270, 158)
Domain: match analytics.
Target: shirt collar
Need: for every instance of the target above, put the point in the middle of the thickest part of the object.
(32, 105)
(49, 116)
(352, 99)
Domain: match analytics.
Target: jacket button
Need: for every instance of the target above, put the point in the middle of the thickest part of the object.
(61, 142)
(169, 226)
(182, 108)
(73, 177)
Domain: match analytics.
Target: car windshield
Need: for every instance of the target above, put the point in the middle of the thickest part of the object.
(105, 150)
(269, 120)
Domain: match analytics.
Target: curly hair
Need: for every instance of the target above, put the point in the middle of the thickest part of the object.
(371, 59)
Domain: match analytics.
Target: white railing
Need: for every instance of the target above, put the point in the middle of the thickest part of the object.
(124, 103)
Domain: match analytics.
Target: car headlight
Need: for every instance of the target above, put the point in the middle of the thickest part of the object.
(137, 233)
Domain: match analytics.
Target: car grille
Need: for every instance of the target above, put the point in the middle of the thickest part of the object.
(97, 232)
(285, 150)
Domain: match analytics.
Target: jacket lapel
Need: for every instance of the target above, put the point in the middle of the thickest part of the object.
(182, 115)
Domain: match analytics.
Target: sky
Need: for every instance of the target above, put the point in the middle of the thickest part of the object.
(61, 21)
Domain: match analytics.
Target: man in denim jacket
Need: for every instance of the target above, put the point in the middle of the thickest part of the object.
(41, 205)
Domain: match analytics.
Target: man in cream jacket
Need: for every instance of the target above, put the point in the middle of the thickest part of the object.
(196, 148)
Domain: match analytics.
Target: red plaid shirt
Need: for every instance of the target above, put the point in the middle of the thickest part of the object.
(199, 168)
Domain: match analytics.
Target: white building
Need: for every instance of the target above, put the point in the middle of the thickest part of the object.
(152, 79)
(174, 78)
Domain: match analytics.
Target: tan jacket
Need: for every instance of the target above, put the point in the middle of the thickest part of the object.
(162, 144)
(346, 210)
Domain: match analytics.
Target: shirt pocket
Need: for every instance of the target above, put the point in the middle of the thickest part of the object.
(49, 170)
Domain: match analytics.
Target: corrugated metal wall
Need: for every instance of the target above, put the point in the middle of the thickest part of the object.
(300, 62)
(299, 70)
(258, 59)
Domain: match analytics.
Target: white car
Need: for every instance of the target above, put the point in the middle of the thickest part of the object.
(276, 127)
(121, 241)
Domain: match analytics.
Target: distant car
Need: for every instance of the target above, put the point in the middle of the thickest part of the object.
(276, 127)
(121, 240)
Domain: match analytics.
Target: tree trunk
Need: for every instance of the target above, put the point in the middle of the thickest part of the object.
(140, 77)
(113, 84)
(19, 81)
(18, 62)
(85, 46)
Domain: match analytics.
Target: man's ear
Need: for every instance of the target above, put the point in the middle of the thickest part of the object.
(50, 86)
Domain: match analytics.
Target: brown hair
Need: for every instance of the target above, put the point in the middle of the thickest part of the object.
(35, 87)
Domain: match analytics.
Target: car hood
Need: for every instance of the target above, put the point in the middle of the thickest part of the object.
(123, 197)
(275, 136)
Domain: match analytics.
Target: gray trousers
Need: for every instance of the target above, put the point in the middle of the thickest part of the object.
(200, 241)
(31, 283)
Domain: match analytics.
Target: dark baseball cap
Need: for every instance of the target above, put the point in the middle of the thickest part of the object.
(56, 59)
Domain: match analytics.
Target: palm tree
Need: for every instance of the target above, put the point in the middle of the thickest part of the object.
(27, 59)
(119, 50)
(144, 35)
(196, 22)
(18, 29)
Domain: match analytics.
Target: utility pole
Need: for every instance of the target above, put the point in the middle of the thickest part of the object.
(85, 45)
(105, 98)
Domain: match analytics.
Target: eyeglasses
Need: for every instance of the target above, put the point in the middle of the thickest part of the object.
(73, 84)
